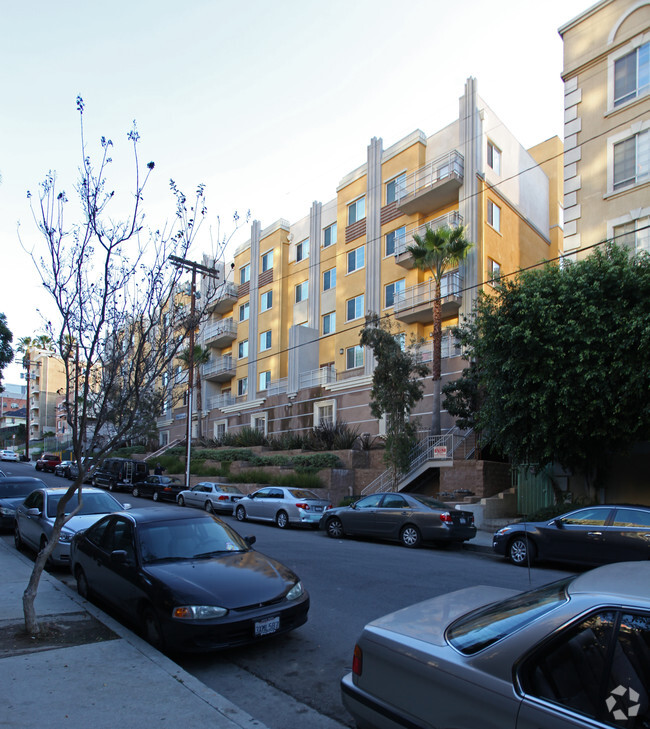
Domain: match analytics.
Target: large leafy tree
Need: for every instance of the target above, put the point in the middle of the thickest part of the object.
(395, 389)
(561, 359)
(6, 352)
(437, 251)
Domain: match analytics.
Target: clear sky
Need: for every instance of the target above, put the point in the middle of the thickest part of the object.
(269, 104)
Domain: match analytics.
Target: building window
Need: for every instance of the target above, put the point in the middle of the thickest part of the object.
(394, 239)
(265, 341)
(242, 386)
(245, 274)
(265, 380)
(632, 160)
(356, 259)
(324, 413)
(258, 422)
(302, 250)
(267, 261)
(632, 75)
(266, 300)
(354, 308)
(220, 429)
(494, 271)
(354, 357)
(391, 290)
(329, 279)
(634, 235)
(329, 236)
(244, 311)
(302, 291)
(395, 188)
(329, 323)
(243, 349)
(357, 210)
(494, 215)
(494, 157)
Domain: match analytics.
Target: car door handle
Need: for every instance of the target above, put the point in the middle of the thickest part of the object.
(594, 534)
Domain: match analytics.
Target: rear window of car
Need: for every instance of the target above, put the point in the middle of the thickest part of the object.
(12, 490)
(431, 503)
(481, 628)
(303, 494)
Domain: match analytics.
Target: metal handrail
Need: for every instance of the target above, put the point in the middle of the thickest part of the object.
(425, 293)
(448, 165)
(451, 220)
(314, 378)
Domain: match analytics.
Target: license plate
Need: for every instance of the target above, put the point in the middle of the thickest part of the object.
(318, 508)
(463, 520)
(267, 626)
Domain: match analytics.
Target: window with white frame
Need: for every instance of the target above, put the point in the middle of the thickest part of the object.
(329, 279)
(242, 386)
(632, 160)
(220, 429)
(324, 413)
(244, 311)
(393, 239)
(266, 300)
(354, 357)
(494, 157)
(395, 188)
(354, 308)
(635, 234)
(494, 215)
(265, 340)
(245, 274)
(265, 380)
(329, 323)
(391, 290)
(302, 250)
(632, 75)
(242, 349)
(302, 292)
(267, 261)
(494, 270)
(356, 259)
(357, 210)
(329, 236)
(259, 421)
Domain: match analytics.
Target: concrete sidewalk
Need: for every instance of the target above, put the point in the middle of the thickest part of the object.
(109, 677)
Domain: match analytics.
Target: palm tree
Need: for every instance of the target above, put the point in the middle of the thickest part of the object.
(436, 252)
(200, 357)
(43, 341)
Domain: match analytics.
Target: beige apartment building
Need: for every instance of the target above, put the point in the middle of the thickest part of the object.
(607, 126)
(283, 333)
(46, 383)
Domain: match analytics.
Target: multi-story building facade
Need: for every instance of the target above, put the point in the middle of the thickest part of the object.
(284, 328)
(607, 126)
(46, 383)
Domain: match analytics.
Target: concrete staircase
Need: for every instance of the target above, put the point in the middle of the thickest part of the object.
(493, 512)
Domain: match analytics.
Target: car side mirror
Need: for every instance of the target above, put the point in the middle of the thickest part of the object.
(33, 512)
(250, 540)
(126, 507)
(559, 523)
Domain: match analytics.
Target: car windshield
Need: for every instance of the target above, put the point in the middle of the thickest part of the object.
(198, 538)
(481, 628)
(431, 503)
(303, 494)
(91, 503)
(13, 489)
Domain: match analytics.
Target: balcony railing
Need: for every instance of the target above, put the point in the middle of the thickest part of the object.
(452, 220)
(449, 347)
(277, 387)
(219, 368)
(221, 401)
(224, 297)
(316, 378)
(222, 331)
(415, 304)
(432, 186)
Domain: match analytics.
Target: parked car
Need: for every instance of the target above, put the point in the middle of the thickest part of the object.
(408, 518)
(9, 455)
(89, 463)
(220, 497)
(35, 518)
(160, 488)
(13, 490)
(284, 506)
(575, 653)
(591, 535)
(63, 468)
(48, 462)
(120, 474)
(187, 579)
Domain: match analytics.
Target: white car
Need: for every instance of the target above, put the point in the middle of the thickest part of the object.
(8, 455)
(211, 496)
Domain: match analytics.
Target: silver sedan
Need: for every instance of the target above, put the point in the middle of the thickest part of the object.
(575, 653)
(284, 506)
(210, 496)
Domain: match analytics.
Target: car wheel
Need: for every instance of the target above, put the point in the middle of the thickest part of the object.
(181, 501)
(410, 536)
(240, 513)
(111, 486)
(18, 540)
(151, 629)
(282, 520)
(209, 507)
(334, 528)
(82, 584)
(155, 496)
(135, 491)
(521, 551)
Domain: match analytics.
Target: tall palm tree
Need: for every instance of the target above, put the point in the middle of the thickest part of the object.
(201, 356)
(24, 345)
(438, 251)
(43, 341)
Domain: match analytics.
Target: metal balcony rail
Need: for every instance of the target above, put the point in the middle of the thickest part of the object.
(277, 387)
(451, 164)
(316, 378)
(225, 290)
(221, 401)
(219, 328)
(424, 293)
(452, 220)
(218, 365)
(449, 347)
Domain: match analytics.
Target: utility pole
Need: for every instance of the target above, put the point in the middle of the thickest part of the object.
(192, 266)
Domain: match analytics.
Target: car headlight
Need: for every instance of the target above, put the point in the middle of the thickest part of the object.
(198, 612)
(6, 511)
(503, 530)
(66, 537)
(295, 592)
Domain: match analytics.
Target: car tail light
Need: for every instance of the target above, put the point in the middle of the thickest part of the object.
(222, 498)
(357, 661)
(302, 505)
(446, 517)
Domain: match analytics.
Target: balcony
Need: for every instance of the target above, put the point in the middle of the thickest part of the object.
(449, 347)
(432, 186)
(219, 369)
(416, 304)
(220, 333)
(224, 298)
(402, 257)
(221, 401)
(276, 387)
(317, 378)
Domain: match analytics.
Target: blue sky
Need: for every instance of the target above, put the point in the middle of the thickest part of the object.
(268, 104)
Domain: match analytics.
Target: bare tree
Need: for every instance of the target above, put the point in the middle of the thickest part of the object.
(118, 325)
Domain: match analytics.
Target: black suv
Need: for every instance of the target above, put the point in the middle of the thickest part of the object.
(119, 474)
